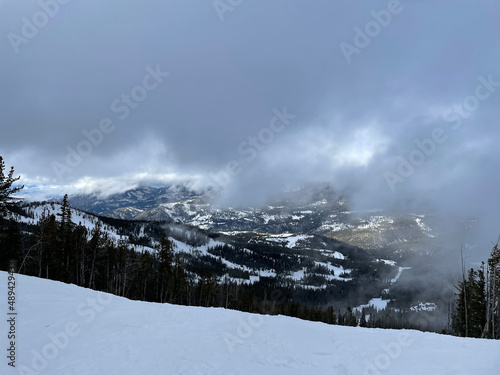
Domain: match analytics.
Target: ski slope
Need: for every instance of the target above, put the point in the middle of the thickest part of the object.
(65, 329)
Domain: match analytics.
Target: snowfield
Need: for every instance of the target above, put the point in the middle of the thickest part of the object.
(65, 329)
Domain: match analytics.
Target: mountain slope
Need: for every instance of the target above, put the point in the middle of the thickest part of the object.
(314, 209)
(112, 335)
(309, 262)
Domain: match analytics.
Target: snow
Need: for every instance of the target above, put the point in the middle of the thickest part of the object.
(329, 253)
(424, 306)
(89, 221)
(318, 203)
(338, 255)
(377, 303)
(338, 270)
(113, 335)
(289, 239)
(389, 262)
(374, 222)
(400, 271)
(332, 253)
(424, 227)
(298, 275)
(335, 227)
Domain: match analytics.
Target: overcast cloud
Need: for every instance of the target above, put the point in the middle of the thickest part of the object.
(355, 115)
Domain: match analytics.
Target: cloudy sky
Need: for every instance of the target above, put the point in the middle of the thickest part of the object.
(397, 102)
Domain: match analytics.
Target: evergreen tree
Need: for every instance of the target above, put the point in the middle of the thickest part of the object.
(6, 189)
(477, 302)
(10, 245)
(493, 294)
(66, 240)
(350, 318)
(330, 316)
(10, 248)
(145, 277)
(79, 239)
(180, 288)
(362, 321)
(49, 250)
(341, 319)
(469, 319)
(95, 247)
(165, 259)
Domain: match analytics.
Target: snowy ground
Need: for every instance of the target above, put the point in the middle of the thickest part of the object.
(64, 329)
(377, 303)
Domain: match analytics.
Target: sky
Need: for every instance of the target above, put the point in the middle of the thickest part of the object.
(396, 102)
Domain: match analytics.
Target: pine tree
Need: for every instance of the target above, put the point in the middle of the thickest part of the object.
(144, 277)
(469, 319)
(330, 316)
(180, 288)
(95, 246)
(362, 321)
(165, 259)
(493, 294)
(9, 233)
(66, 240)
(49, 251)
(478, 303)
(10, 246)
(350, 318)
(341, 319)
(6, 189)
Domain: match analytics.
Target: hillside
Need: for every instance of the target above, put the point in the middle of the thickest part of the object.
(113, 335)
(314, 209)
(311, 262)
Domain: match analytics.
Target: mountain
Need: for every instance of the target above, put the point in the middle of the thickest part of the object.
(310, 267)
(139, 198)
(246, 257)
(65, 329)
(314, 209)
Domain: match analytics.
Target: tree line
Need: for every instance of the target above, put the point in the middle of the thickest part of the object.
(477, 312)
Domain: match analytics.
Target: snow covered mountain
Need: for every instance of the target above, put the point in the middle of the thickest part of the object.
(315, 209)
(312, 265)
(140, 198)
(65, 329)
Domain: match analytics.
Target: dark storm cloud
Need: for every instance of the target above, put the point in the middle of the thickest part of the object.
(357, 115)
